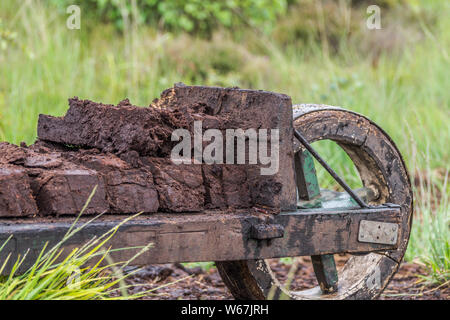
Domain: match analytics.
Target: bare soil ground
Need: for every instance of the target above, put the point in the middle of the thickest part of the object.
(174, 281)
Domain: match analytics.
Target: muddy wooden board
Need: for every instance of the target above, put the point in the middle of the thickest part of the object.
(209, 236)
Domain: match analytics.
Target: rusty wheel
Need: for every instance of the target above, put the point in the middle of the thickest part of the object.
(382, 171)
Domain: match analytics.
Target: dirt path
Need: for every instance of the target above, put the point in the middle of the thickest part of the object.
(197, 284)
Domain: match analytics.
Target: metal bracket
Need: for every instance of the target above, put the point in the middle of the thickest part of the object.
(266, 231)
(378, 232)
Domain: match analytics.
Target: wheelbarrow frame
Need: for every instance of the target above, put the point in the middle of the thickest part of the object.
(251, 234)
(208, 236)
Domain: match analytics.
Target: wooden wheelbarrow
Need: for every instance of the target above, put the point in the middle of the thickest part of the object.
(248, 219)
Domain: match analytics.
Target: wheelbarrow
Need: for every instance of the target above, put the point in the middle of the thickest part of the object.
(371, 225)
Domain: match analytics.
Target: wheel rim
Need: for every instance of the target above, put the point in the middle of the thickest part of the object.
(380, 167)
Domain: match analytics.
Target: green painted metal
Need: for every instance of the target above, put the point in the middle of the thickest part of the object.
(306, 178)
(310, 196)
(326, 274)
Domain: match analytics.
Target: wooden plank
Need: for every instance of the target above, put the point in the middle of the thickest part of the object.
(208, 236)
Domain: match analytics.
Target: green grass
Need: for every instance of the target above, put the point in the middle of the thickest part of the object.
(49, 63)
(430, 238)
(204, 265)
(405, 90)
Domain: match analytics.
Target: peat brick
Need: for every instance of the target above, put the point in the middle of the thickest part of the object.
(131, 191)
(213, 182)
(117, 129)
(62, 192)
(16, 199)
(249, 109)
(180, 187)
(133, 134)
(226, 186)
(11, 154)
(236, 188)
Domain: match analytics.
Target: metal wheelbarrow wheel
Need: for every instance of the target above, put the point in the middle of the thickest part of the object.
(382, 171)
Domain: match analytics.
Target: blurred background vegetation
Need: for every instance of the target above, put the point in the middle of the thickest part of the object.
(315, 51)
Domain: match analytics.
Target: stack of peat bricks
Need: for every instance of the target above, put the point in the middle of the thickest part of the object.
(125, 151)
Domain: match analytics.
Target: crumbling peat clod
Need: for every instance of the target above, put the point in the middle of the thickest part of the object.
(124, 151)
